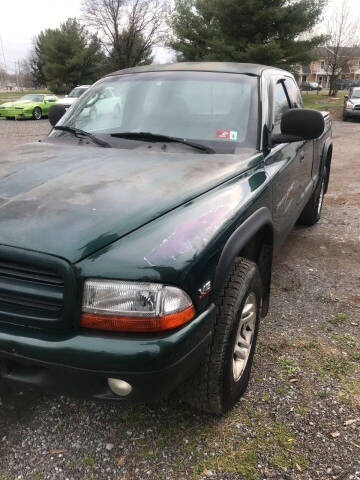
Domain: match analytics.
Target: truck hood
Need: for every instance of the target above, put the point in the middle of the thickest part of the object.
(70, 201)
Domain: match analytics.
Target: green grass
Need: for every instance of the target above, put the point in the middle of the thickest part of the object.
(242, 458)
(11, 96)
(302, 411)
(322, 101)
(338, 318)
(89, 460)
(323, 394)
(37, 476)
(335, 365)
(289, 365)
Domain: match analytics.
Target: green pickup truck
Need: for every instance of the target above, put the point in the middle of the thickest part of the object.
(136, 240)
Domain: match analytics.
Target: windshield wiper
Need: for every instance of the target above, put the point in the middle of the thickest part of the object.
(81, 133)
(156, 137)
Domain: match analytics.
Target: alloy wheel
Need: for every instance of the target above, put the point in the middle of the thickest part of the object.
(244, 336)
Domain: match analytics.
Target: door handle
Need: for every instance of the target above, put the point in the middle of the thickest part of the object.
(302, 156)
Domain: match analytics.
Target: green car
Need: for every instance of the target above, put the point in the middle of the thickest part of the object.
(33, 106)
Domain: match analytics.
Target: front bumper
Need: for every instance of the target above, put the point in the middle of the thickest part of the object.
(79, 364)
(12, 113)
(352, 113)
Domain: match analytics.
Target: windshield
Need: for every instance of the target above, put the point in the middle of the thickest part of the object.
(355, 93)
(214, 109)
(77, 92)
(32, 98)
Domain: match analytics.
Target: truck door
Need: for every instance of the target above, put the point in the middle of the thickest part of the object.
(283, 164)
(306, 150)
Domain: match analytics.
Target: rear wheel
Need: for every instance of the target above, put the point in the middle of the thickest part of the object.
(312, 211)
(224, 373)
(37, 113)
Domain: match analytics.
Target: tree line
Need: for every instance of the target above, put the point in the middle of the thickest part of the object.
(115, 34)
(110, 35)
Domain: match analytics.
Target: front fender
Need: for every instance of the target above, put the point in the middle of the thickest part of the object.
(184, 246)
(259, 220)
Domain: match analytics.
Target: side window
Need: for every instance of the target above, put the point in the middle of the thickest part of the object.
(281, 105)
(294, 93)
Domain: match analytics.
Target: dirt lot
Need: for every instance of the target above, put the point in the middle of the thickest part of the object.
(300, 418)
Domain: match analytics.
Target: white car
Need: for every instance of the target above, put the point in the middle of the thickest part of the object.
(73, 96)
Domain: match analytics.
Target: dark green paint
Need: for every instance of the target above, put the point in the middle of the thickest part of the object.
(135, 215)
(126, 353)
(95, 196)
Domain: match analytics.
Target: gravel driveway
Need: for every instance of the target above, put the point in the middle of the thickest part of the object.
(300, 418)
(14, 132)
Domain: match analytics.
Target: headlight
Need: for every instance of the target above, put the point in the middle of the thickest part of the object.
(134, 307)
(350, 105)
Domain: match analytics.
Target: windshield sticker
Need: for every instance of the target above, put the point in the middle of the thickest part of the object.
(226, 134)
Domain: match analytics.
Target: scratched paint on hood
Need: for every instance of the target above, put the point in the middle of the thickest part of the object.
(192, 235)
(71, 201)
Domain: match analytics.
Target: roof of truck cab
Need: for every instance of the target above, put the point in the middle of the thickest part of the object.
(221, 67)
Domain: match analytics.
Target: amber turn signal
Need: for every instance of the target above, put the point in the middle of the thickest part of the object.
(117, 323)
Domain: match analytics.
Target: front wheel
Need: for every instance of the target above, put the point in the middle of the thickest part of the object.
(224, 373)
(37, 113)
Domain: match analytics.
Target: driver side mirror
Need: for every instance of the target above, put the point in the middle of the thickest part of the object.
(299, 124)
(55, 113)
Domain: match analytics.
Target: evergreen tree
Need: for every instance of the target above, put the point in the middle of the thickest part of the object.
(259, 31)
(37, 61)
(67, 56)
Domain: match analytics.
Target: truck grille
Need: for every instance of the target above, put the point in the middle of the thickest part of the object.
(36, 291)
(357, 107)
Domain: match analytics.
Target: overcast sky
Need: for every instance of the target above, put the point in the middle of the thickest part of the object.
(21, 20)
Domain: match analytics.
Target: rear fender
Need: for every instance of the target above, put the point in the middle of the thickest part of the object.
(326, 160)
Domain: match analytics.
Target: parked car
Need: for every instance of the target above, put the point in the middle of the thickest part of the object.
(346, 84)
(310, 86)
(136, 251)
(352, 104)
(75, 93)
(33, 106)
(100, 112)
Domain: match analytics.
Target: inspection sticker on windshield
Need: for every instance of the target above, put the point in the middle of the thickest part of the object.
(226, 134)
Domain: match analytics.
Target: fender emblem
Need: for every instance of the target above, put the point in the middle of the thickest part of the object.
(204, 290)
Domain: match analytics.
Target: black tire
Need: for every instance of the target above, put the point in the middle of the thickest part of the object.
(312, 211)
(213, 388)
(37, 113)
(345, 117)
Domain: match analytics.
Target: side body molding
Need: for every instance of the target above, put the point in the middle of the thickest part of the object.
(235, 244)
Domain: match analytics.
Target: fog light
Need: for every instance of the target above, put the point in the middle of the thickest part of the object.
(119, 387)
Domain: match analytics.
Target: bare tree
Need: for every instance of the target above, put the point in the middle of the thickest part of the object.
(129, 29)
(24, 74)
(343, 38)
